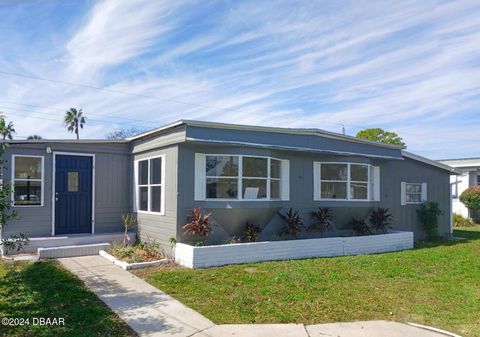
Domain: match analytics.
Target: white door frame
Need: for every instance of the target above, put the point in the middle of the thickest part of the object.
(81, 154)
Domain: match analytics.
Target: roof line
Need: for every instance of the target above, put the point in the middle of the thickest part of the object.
(430, 162)
(292, 148)
(455, 159)
(75, 141)
(244, 127)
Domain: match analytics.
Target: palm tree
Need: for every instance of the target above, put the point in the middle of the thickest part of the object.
(73, 120)
(34, 137)
(6, 130)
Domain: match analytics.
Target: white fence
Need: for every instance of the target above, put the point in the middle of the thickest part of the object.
(210, 256)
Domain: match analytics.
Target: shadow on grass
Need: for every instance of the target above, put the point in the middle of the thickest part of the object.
(460, 236)
(44, 289)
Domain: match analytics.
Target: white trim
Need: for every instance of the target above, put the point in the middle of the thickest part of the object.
(403, 191)
(42, 181)
(200, 175)
(317, 183)
(80, 154)
(240, 127)
(149, 186)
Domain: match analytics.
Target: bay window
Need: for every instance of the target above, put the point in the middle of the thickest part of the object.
(27, 180)
(346, 181)
(239, 177)
(150, 185)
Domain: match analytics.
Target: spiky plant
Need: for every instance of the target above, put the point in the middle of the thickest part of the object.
(322, 220)
(252, 232)
(293, 223)
(199, 224)
(360, 227)
(381, 219)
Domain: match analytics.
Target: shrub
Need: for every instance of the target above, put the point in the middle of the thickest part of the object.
(141, 252)
(381, 219)
(460, 221)
(322, 220)
(199, 224)
(471, 197)
(428, 213)
(15, 242)
(360, 227)
(251, 232)
(129, 222)
(293, 223)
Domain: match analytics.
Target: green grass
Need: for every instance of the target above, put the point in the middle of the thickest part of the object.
(45, 289)
(435, 284)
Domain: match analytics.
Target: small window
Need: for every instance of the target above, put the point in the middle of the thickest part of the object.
(478, 179)
(27, 180)
(150, 185)
(345, 181)
(413, 193)
(72, 181)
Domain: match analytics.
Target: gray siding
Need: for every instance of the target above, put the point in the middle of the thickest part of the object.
(305, 143)
(161, 228)
(229, 216)
(112, 187)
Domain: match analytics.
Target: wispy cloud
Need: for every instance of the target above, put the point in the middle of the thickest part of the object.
(408, 66)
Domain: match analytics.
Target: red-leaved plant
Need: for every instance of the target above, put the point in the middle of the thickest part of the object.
(199, 224)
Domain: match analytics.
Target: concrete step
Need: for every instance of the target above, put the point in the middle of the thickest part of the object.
(70, 251)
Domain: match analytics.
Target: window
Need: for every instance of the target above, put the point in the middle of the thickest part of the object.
(240, 177)
(454, 186)
(27, 180)
(343, 181)
(478, 179)
(413, 193)
(150, 185)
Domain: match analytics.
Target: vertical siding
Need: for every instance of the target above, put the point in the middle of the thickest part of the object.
(161, 228)
(112, 187)
(229, 217)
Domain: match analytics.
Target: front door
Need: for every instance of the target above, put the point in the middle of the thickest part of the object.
(73, 194)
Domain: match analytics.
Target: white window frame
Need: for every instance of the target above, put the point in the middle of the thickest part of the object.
(149, 186)
(240, 178)
(421, 193)
(42, 180)
(369, 182)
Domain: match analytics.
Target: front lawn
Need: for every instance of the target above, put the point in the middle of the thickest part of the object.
(45, 289)
(435, 285)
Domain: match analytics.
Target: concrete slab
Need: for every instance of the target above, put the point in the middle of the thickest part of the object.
(254, 330)
(149, 311)
(369, 329)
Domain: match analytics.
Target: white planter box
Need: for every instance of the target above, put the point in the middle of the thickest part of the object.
(127, 266)
(210, 256)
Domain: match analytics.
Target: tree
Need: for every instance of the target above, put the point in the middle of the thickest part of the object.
(74, 120)
(6, 129)
(34, 137)
(120, 134)
(380, 135)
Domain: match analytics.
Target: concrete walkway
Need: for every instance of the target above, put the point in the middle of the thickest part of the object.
(151, 312)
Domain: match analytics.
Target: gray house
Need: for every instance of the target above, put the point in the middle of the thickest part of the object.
(79, 189)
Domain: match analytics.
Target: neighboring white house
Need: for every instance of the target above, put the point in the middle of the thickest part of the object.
(470, 168)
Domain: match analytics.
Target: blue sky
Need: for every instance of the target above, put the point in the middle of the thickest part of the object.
(412, 67)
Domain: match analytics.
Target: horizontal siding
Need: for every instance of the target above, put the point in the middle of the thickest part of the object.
(209, 256)
(112, 187)
(156, 227)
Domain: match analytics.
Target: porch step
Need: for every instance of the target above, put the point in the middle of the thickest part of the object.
(70, 251)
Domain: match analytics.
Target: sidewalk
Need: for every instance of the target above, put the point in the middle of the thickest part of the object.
(151, 312)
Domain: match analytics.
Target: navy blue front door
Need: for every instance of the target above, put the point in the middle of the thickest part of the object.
(73, 194)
